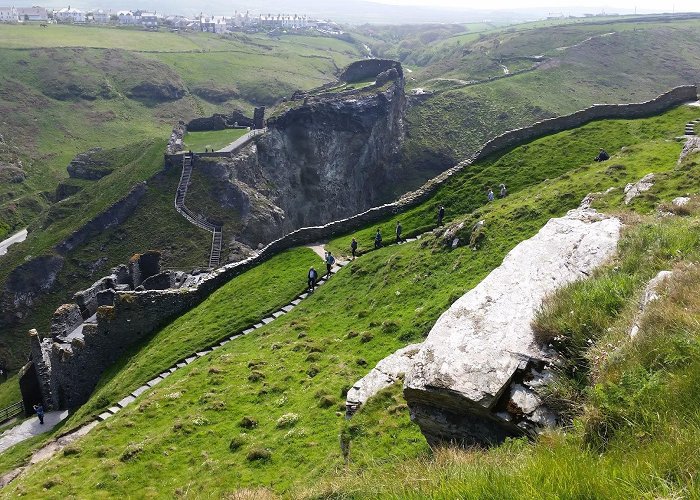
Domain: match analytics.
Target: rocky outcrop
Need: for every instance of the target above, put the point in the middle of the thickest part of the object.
(157, 91)
(387, 372)
(89, 166)
(476, 377)
(651, 294)
(369, 68)
(322, 161)
(632, 190)
(27, 282)
(691, 146)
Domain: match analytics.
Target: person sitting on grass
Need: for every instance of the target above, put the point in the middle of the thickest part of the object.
(602, 155)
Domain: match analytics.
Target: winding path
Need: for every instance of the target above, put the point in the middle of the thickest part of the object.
(18, 237)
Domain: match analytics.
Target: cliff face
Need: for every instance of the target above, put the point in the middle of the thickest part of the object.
(322, 161)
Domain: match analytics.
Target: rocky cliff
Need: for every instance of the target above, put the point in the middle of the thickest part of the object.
(321, 161)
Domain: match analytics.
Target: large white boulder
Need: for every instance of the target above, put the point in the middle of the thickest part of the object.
(476, 376)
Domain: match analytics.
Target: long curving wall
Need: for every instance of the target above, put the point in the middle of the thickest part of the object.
(67, 377)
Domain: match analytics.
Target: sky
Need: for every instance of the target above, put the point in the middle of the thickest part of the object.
(559, 5)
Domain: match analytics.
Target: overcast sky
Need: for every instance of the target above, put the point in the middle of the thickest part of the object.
(559, 5)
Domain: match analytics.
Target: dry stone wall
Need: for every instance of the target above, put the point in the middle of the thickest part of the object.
(68, 376)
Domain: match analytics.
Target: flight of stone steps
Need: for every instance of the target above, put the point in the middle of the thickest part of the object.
(197, 220)
(690, 127)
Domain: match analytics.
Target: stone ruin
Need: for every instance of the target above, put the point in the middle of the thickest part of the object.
(86, 336)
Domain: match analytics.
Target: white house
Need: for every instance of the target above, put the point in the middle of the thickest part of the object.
(8, 15)
(33, 14)
(283, 21)
(126, 17)
(100, 17)
(213, 24)
(69, 15)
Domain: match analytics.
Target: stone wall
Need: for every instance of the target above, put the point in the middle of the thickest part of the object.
(220, 121)
(68, 375)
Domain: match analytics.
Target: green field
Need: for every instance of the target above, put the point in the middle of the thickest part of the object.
(212, 139)
(266, 410)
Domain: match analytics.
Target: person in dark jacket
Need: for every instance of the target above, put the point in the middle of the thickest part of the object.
(313, 276)
(353, 247)
(330, 260)
(39, 409)
(399, 229)
(602, 156)
(378, 239)
(441, 215)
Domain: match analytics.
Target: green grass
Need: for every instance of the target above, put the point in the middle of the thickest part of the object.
(212, 139)
(240, 303)
(9, 391)
(637, 429)
(303, 362)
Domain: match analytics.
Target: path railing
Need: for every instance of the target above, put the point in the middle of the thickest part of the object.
(11, 411)
(197, 220)
(243, 140)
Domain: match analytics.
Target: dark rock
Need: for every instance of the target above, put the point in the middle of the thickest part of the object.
(160, 281)
(156, 92)
(369, 68)
(89, 166)
(66, 319)
(215, 94)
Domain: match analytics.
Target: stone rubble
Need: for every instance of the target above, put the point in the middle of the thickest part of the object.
(642, 185)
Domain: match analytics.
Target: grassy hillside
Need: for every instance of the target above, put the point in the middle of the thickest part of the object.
(66, 89)
(576, 66)
(267, 409)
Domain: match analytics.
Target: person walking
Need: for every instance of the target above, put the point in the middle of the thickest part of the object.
(504, 191)
(441, 214)
(330, 260)
(378, 239)
(490, 195)
(353, 247)
(39, 409)
(312, 277)
(398, 232)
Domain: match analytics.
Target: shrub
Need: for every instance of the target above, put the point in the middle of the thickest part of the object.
(248, 422)
(131, 451)
(312, 371)
(260, 454)
(366, 337)
(256, 376)
(236, 443)
(326, 401)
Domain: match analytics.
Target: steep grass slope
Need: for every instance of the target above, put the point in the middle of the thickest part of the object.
(267, 409)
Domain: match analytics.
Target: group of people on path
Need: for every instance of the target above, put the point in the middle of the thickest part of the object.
(312, 277)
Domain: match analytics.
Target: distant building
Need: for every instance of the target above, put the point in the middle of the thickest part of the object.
(126, 17)
(283, 21)
(8, 15)
(69, 15)
(240, 19)
(150, 20)
(213, 24)
(32, 14)
(100, 17)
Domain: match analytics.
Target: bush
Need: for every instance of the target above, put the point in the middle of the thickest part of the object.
(248, 423)
(326, 401)
(131, 452)
(260, 454)
(236, 443)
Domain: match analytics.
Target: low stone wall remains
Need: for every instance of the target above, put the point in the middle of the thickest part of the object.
(67, 377)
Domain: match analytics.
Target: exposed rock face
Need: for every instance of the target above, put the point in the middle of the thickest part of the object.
(369, 68)
(320, 162)
(387, 372)
(25, 284)
(642, 185)
(692, 146)
(651, 293)
(157, 91)
(476, 377)
(89, 166)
